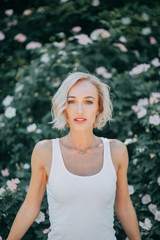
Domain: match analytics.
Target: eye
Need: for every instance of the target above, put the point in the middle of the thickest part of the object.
(89, 102)
(70, 101)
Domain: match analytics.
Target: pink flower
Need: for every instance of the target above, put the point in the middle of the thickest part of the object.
(2, 36)
(20, 37)
(13, 23)
(153, 99)
(121, 47)
(142, 102)
(11, 186)
(40, 218)
(47, 230)
(135, 108)
(5, 172)
(83, 39)
(9, 12)
(33, 45)
(102, 71)
(142, 112)
(139, 69)
(15, 181)
(76, 29)
(96, 34)
(155, 119)
(146, 199)
(152, 40)
(27, 12)
(152, 208)
(156, 94)
(0, 238)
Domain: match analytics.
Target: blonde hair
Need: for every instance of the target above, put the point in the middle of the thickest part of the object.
(59, 101)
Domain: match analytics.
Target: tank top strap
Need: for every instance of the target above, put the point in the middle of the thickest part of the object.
(108, 157)
(54, 161)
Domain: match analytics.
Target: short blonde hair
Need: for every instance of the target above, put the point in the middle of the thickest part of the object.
(59, 101)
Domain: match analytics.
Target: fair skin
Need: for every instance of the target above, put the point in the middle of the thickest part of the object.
(79, 137)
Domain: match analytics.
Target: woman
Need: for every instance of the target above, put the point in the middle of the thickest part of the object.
(85, 175)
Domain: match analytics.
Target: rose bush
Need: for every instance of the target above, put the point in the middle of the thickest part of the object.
(117, 43)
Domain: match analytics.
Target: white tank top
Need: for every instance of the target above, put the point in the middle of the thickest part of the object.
(81, 207)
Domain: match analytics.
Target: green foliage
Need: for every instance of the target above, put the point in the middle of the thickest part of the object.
(30, 77)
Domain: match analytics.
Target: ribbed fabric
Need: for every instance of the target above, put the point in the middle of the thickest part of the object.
(81, 207)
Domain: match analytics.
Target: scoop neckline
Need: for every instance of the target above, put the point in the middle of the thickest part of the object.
(75, 175)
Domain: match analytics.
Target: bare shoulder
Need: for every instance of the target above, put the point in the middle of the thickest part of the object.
(119, 152)
(42, 151)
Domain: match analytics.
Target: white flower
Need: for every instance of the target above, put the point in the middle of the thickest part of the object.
(125, 20)
(158, 180)
(135, 161)
(40, 218)
(9, 12)
(146, 199)
(130, 189)
(33, 45)
(152, 208)
(59, 44)
(38, 130)
(156, 62)
(146, 31)
(139, 69)
(130, 140)
(99, 33)
(2, 190)
(2, 36)
(146, 225)
(7, 101)
(26, 166)
(45, 58)
(95, 3)
(19, 88)
(136, 52)
(31, 127)
(157, 215)
(26, 188)
(10, 112)
(122, 39)
(145, 16)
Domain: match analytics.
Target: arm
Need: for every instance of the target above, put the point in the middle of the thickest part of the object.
(123, 205)
(31, 205)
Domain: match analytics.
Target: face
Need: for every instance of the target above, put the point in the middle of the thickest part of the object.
(82, 102)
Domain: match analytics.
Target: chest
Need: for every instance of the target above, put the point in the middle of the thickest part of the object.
(86, 164)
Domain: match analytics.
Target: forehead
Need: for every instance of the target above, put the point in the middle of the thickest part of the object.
(83, 88)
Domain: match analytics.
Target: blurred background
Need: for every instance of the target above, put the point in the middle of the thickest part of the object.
(41, 42)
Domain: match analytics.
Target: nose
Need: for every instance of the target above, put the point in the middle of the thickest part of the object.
(79, 108)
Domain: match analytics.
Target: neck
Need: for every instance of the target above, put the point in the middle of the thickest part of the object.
(81, 141)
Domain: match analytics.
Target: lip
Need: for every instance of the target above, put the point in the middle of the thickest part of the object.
(80, 118)
(80, 122)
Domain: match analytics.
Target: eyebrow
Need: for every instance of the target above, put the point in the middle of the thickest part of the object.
(84, 97)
